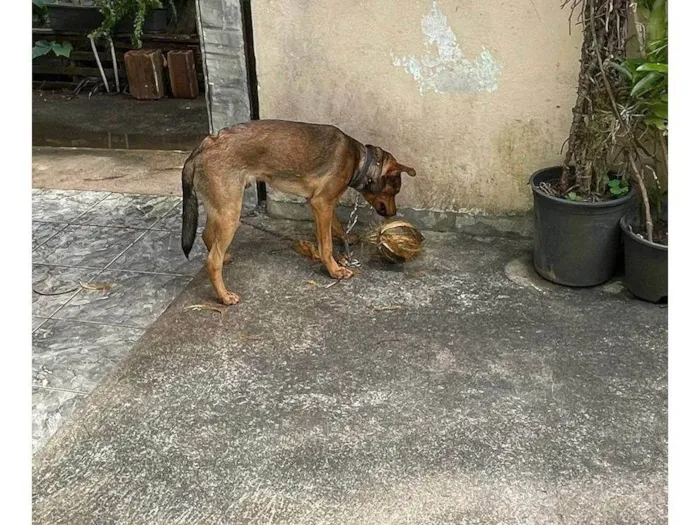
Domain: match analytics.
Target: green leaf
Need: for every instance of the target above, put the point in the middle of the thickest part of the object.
(614, 183)
(658, 123)
(63, 49)
(41, 48)
(572, 196)
(645, 84)
(657, 25)
(622, 68)
(651, 66)
(660, 110)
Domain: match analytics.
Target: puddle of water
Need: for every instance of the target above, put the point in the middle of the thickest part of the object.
(58, 135)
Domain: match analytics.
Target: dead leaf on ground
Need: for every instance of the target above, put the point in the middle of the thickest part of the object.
(104, 287)
(387, 308)
(205, 306)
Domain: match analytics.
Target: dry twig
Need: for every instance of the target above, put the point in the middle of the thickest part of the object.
(207, 307)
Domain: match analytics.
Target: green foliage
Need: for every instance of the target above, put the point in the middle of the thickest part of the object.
(573, 196)
(44, 47)
(39, 11)
(616, 187)
(647, 77)
(114, 11)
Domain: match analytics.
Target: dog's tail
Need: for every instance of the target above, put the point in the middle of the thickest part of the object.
(190, 206)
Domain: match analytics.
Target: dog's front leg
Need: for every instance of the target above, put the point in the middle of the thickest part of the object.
(323, 218)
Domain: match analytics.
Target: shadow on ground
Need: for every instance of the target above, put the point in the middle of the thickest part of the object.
(438, 392)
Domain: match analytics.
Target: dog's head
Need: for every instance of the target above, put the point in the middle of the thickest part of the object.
(383, 181)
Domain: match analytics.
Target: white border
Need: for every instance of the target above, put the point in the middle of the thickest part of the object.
(15, 232)
(684, 264)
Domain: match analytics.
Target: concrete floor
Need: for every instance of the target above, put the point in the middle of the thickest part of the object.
(144, 172)
(459, 388)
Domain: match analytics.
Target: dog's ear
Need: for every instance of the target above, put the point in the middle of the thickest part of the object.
(396, 169)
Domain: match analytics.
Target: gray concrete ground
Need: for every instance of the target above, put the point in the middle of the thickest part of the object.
(455, 389)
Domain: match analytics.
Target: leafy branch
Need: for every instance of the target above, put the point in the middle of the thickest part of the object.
(114, 11)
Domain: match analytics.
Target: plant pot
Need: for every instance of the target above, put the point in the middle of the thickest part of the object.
(576, 243)
(62, 17)
(646, 263)
(156, 21)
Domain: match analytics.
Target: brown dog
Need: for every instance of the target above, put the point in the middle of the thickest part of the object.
(314, 161)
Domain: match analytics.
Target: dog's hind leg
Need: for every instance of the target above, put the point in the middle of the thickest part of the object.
(208, 238)
(223, 225)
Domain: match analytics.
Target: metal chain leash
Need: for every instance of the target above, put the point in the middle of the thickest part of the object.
(351, 262)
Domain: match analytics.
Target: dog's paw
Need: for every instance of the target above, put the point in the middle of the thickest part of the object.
(341, 273)
(230, 298)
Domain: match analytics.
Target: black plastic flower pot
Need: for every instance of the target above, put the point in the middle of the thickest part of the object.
(63, 17)
(646, 263)
(576, 243)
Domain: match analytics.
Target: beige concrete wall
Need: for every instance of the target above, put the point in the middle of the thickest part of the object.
(474, 94)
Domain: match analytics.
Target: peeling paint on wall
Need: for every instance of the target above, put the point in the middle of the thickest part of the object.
(449, 71)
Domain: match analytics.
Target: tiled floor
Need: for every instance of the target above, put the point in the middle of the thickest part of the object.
(129, 243)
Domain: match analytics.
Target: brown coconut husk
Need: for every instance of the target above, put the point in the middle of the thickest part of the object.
(397, 241)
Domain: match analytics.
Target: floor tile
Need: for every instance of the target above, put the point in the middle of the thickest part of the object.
(37, 322)
(173, 220)
(160, 251)
(63, 205)
(50, 409)
(43, 231)
(128, 211)
(76, 356)
(86, 246)
(136, 299)
(64, 282)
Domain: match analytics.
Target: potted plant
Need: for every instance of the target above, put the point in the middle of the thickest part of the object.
(578, 205)
(63, 16)
(645, 229)
(131, 16)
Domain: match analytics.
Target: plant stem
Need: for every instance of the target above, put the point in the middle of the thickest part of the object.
(664, 152)
(623, 124)
(639, 27)
(585, 74)
(645, 198)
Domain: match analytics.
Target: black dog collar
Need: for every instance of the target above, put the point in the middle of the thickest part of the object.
(358, 178)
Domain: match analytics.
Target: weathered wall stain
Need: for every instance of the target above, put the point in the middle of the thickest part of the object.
(449, 71)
